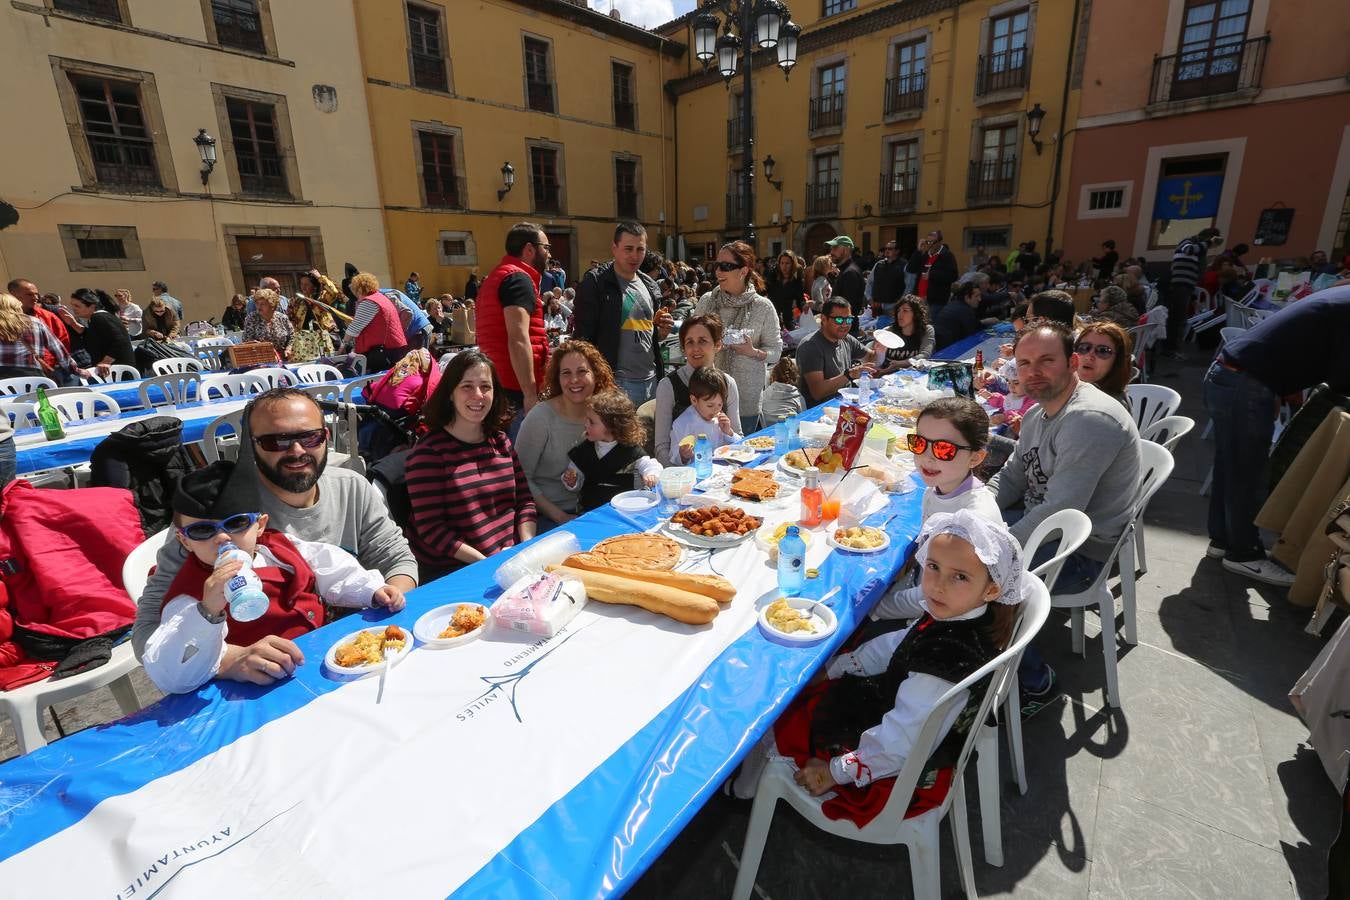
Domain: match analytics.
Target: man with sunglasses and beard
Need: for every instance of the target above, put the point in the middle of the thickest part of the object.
(831, 358)
(282, 471)
(1078, 449)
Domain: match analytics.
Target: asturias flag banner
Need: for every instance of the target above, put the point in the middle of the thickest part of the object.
(1188, 197)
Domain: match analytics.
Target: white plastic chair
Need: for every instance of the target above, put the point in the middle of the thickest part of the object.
(315, 373)
(275, 377)
(21, 413)
(174, 388)
(1155, 466)
(213, 358)
(214, 342)
(1151, 402)
(1071, 527)
(1207, 314)
(1228, 332)
(225, 384)
(359, 363)
(920, 833)
(17, 387)
(1168, 431)
(217, 446)
(24, 705)
(327, 390)
(354, 387)
(116, 372)
(175, 365)
(83, 406)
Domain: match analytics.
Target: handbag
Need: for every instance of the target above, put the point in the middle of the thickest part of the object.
(149, 351)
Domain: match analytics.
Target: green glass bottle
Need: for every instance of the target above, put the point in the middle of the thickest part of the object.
(48, 417)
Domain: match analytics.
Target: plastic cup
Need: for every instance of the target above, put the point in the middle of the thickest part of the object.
(830, 509)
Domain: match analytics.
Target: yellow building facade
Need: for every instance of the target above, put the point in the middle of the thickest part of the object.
(899, 117)
(573, 101)
(102, 100)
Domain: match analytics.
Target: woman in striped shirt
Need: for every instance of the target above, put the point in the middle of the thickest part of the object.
(468, 491)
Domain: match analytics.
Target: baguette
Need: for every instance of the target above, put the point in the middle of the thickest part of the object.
(682, 606)
(714, 586)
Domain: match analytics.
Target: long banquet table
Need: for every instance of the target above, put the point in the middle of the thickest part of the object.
(34, 453)
(554, 767)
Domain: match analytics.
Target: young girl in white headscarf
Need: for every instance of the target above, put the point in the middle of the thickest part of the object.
(852, 733)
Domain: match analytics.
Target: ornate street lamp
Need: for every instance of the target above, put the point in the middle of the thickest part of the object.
(508, 179)
(1034, 117)
(206, 149)
(746, 24)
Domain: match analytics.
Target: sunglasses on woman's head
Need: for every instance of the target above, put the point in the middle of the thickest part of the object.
(275, 443)
(729, 266)
(1103, 351)
(205, 530)
(942, 450)
(842, 320)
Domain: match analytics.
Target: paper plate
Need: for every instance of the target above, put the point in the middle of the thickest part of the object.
(821, 616)
(635, 501)
(358, 671)
(685, 536)
(885, 542)
(429, 627)
(888, 339)
(733, 453)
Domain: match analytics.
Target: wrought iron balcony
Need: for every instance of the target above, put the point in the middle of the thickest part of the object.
(827, 112)
(822, 198)
(1006, 70)
(452, 193)
(1209, 72)
(540, 94)
(123, 160)
(237, 27)
(905, 92)
(429, 72)
(899, 191)
(737, 214)
(992, 180)
(735, 134)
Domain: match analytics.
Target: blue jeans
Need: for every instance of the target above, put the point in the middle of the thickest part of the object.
(638, 391)
(749, 424)
(1243, 412)
(8, 466)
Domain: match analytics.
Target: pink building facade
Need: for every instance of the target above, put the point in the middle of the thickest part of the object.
(1232, 113)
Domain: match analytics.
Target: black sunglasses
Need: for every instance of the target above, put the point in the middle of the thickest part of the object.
(206, 529)
(1103, 351)
(274, 443)
(729, 266)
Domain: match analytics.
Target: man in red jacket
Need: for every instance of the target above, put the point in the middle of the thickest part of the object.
(31, 298)
(509, 317)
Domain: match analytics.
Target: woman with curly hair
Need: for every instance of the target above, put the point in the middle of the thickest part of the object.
(468, 492)
(911, 323)
(1104, 358)
(576, 372)
(611, 459)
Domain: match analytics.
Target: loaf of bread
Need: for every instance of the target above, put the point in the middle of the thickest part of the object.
(714, 586)
(680, 605)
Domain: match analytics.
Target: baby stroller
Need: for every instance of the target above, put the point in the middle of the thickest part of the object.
(392, 415)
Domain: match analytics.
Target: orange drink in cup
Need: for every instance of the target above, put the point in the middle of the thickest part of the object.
(830, 508)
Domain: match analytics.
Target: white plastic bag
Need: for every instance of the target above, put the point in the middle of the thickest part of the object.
(539, 606)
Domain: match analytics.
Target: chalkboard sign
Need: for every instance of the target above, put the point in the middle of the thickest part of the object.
(1272, 229)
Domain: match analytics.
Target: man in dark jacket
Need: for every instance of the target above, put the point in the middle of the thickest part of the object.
(850, 282)
(616, 311)
(888, 280)
(935, 265)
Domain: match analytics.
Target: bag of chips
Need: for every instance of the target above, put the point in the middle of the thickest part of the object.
(849, 434)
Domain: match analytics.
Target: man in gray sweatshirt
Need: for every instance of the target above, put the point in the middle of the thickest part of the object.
(304, 499)
(1078, 449)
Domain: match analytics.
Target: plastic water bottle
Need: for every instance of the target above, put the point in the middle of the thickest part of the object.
(780, 437)
(243, 592)
(791, 562)
(702, 457)
(864, 387)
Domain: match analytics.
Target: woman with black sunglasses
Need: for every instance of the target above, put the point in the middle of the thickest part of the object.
(1103, 350)
(749, 317)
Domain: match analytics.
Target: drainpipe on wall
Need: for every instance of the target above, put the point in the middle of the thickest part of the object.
(1063, 132)
(374, 151)
(947, 116)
